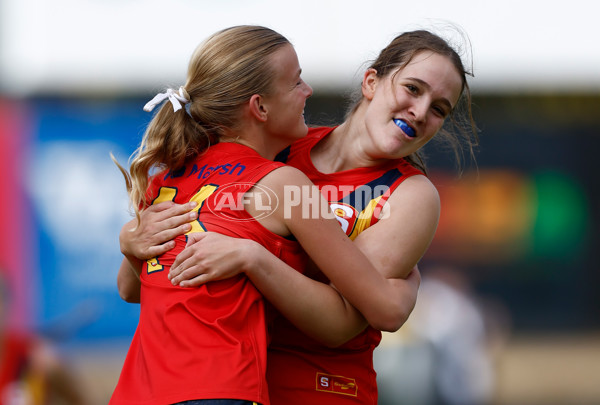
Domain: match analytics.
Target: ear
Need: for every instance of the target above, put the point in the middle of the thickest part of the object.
(369, 83)
(257, 107)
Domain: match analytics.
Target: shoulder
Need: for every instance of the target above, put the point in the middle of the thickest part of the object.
(416, 191)
(314, 135)
(285, 176)
(419, 186)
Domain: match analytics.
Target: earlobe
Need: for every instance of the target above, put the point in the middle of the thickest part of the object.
(257, 108)
(369, 83)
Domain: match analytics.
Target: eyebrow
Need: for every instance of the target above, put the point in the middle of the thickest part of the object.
(425, 84)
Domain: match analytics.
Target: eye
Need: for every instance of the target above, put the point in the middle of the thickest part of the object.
(412, 88)
(440, 112)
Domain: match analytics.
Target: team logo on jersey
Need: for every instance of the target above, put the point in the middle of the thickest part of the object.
(362, 206)
(336, 384)
(346, 216)
(354, 222)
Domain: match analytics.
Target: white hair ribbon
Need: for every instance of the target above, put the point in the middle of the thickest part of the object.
(175, 98)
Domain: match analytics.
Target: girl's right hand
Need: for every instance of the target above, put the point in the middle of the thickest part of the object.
(159, 225)
(211, 256)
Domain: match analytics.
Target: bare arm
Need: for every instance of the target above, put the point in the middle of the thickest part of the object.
(318, 309)
(300, 298)
(211, 256)
(409, 221)
(128, 281)
(352, 273)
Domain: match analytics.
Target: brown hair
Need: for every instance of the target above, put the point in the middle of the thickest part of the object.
(400, 51)
(223, 73)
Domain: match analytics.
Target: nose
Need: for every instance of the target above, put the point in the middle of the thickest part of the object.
(418, 109)
(308, 90)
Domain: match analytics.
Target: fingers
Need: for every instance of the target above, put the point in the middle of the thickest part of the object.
(174, 218)
(161, 223)
(191, 277)
(196, 281)
(154, 251)
(179, 265)
(207, 257)
(169, 215)
(161, 206)
(167, 233)
(196, 237)
(186, 253)
(169, 208)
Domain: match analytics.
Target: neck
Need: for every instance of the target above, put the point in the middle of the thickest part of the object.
(254, 140)
(345, 148)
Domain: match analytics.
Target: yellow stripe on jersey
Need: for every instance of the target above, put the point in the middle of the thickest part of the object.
(365, 218)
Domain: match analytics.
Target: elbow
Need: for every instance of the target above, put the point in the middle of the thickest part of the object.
(392, 313)
(391, 325)
(390, 320)
(129, 297)
(387, 326)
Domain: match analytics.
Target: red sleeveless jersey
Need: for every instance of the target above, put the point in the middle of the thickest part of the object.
(301, 371)
(208, 342)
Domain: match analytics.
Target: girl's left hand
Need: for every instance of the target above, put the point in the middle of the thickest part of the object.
(159, 225)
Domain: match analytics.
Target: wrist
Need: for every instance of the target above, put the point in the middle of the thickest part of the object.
(135, 264)
(124, 235)
(251, 257)
(124, 246)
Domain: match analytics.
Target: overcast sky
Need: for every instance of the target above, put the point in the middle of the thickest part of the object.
(139, 45)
